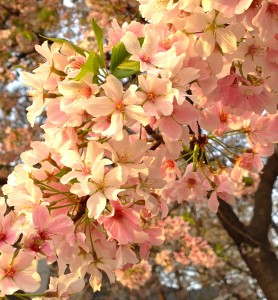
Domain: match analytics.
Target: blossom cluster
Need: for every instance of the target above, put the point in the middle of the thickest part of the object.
(136, 277)
(182, 248)
(161, 121)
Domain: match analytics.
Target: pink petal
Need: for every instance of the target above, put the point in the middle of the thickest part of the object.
(72, 159)
(226, 40)
(164, 105)
(96, 204)
(113, 88)
(137, 113)
(23, 260)
(131, 43)
(101, 106)
(170, 128)
(60, 225)
(116, 126)
(213, 203)
(27, 281)
(40, 217)
(185, 113)
(8, 286)
(205, 44)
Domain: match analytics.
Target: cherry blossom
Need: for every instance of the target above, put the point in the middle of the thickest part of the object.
(17, 272)
(127, 138)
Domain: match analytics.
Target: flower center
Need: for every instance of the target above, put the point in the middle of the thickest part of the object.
(44, 235)
(101, 185)
(119, 105)
(118, 215)
(86, 91)
(224, 118)
(10, 272)
(273, 10)
(160, 4)
(183, 14)
(3, 236)
(75, 62)
(191, 182)
(123, 158)
(151, 96)
(255, 3)
(166, 43)
(256, 50)
(145, 57)
(37, 244)
(86, 169)
(169, 164)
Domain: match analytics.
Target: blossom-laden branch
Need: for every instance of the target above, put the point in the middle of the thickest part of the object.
(115, 155)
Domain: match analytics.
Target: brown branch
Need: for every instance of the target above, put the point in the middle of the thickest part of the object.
(261, 219)
(157, 137)
(252, 240)
(81, 209)
(231, 222)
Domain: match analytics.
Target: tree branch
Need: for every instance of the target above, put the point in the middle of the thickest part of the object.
(261, 219)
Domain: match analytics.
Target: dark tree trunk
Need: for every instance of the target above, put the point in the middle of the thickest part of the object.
(252, 240)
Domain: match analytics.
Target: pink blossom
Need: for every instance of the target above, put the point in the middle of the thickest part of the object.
(17, 272)
(266, 19)
(82, 165)
(183, 114)
(260, 130)
(191, 187)
(165, 259)
(65, 285)
(224, 189)
(241, 96)
(148, 55)
(121, 223)
(215, 31)
(8, 228)
(100, 188)
(116, 32)
(46, 228)
(229, 9)
(122, 107)
(156, 94)
(250, 161)
(128, 155)
(218, 119)
(125, 255)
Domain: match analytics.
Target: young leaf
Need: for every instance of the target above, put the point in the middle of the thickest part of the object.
(119, 55)
(127, 69)
(99, 36)
(61, 41)
(93, 63)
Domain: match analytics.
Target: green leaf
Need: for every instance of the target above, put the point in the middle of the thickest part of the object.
(63, 172)
(99, 36)
(28, 35)
(61, 41)
(92, 65)
(186, 217)
(127, 69)
(219, 250)
(46, 13)
(119, 55)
